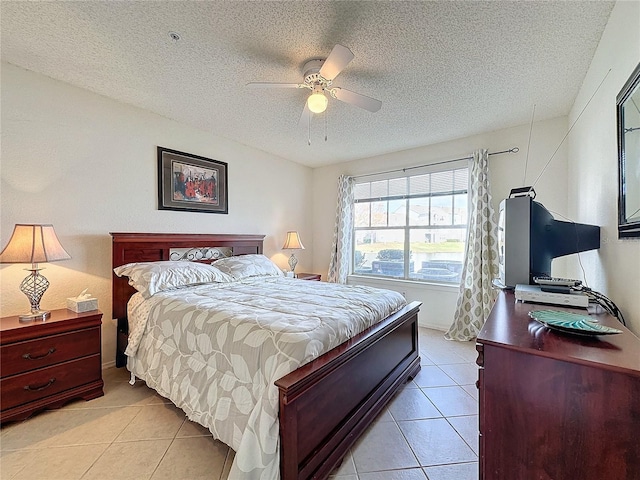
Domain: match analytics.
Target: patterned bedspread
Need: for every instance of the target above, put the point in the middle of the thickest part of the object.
(216, 350)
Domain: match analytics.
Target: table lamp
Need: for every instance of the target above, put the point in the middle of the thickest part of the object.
(33, 244)
(293, 243)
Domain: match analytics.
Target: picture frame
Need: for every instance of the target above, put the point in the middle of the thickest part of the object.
(191, 183)
(628, 126)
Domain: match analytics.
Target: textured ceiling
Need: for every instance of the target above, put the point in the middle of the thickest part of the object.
(442, 69)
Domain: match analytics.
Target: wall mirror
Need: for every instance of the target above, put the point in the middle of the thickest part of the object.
(628, 113)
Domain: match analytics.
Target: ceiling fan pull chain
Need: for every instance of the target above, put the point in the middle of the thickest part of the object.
(325, 126)
(309, 131)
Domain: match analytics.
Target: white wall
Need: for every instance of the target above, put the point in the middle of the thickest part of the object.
(87, 164)
(506, 172)
(593, 162)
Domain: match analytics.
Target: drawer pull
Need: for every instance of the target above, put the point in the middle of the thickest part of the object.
(27, 356)
(37, 389)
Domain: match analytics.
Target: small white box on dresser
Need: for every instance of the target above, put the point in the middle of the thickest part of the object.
(83, 305)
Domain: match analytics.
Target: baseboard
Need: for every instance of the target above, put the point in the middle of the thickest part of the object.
(110, 364)
(432, 326)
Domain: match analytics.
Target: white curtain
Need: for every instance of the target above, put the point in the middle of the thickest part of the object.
(477, 296)
(343, 234)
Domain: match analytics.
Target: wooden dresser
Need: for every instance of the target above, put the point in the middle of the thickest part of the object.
(45, 364)
(556, 406)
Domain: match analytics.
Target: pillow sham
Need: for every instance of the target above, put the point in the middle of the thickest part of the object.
(152, 277)
(243, 266)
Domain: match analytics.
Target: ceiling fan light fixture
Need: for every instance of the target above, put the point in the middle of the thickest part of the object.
(318, 77)
(317, 102)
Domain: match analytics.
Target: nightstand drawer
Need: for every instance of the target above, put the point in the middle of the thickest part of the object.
(28, 387)
(42, 352)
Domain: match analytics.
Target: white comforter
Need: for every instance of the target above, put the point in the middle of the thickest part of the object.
(216, 350)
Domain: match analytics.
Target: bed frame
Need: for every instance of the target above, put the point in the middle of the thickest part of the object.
(326, 404)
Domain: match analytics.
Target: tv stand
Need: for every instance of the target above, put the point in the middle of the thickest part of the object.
(556, 406)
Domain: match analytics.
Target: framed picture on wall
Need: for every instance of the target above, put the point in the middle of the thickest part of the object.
(628, 113)
(191, 183)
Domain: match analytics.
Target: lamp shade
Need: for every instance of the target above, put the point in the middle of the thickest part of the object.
(293, 242)
(33, 244)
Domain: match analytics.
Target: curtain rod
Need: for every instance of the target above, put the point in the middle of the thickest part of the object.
(511, 150)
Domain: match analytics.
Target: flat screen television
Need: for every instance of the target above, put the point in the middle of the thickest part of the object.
(529, 238)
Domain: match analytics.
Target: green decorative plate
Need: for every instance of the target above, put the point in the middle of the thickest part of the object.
(571, 323)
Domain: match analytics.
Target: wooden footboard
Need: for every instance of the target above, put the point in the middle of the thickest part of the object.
(328, 403)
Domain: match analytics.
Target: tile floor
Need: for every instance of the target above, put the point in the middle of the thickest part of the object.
(428, 431)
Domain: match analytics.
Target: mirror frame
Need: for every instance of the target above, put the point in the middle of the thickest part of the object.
(626, 228)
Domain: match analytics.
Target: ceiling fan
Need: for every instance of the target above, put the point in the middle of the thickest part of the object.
(318, 77)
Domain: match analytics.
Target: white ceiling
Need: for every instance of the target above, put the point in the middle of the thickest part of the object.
(442, 69)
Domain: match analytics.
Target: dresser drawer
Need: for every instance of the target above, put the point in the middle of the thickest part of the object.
(25, 388)
(33, 354)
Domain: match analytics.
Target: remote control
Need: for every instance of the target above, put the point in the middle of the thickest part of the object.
(554, 281)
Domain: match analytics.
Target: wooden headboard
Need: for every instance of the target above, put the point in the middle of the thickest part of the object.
(153, 247)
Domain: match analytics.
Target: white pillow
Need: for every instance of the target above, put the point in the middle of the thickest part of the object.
(152, 277)
(244, 266)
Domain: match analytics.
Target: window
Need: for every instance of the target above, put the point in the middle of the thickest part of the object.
(412, 228)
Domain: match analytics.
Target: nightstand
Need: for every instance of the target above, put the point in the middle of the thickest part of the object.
(47, 363)
(309, 276)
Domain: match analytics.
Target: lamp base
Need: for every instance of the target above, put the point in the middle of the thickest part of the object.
(34, 286)
(293, 261)
(34, 315)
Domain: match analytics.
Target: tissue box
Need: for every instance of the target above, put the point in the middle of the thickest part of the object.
(84, 305)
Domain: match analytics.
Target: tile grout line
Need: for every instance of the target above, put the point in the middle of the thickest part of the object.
(444, 416)
(410, 446)
(168, 447)
(111, 443)
(402, 433)
(460, 435)
(443, 372)
(18, 472)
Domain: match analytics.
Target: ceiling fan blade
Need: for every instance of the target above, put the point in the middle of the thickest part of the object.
(356, 99)
(274, 85)
(338, 59)
(305, 118)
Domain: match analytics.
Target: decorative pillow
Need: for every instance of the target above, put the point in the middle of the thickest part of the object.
(152, 277)
(244, 266)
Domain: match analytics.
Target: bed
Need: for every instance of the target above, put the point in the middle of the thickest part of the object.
(326, 404)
